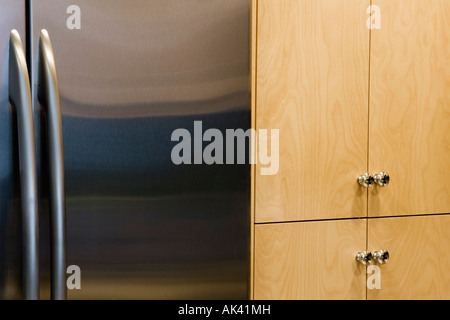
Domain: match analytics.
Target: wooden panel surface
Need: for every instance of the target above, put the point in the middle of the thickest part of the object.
(419, 257)
(310, 260)
(312, 85)
(410, 107)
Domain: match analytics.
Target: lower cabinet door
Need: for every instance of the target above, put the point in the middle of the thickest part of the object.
(419, 257)
(310, 260)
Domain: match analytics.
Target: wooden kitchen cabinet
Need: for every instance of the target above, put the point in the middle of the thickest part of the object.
(347, 101)
(316, 260)
(410, 107)
(419, 262)
(310, 260)
(312, 76)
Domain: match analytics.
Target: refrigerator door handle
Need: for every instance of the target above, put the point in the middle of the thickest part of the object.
(20, 98)
(48, 94)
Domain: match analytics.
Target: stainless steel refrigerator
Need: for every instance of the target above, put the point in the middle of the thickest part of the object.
(91, 92)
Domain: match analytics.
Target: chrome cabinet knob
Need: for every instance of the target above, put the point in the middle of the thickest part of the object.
(381, 179)
(364, 257)
(366, 180)
(381, 256)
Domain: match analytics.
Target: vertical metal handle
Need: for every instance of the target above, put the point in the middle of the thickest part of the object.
(48, 94)
(20, 98)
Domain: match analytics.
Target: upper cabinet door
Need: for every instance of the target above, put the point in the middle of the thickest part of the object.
(312, 85)
(410, 107)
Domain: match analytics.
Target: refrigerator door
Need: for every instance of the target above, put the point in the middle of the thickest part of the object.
(130, 73)
(12, 16)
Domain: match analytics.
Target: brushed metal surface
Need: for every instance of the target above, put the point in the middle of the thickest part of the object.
(12, 16)
(48, 95)
(138, 226)
(20, 99)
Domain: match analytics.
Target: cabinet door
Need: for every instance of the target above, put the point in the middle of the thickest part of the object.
(312, 85)
(419, 262)
(410, 107)
(310, 260)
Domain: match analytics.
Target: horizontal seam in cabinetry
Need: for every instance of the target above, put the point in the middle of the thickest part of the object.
(314, 220)
(354, 218)
(411, 215)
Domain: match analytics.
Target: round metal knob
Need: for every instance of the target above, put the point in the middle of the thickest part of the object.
(364, 257)
(366, 180)
(381, 256)
(381, 179)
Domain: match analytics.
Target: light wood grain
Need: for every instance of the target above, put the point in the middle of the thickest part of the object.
(410, 107)
(312, 85)
(310, 260)
(419, 265)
